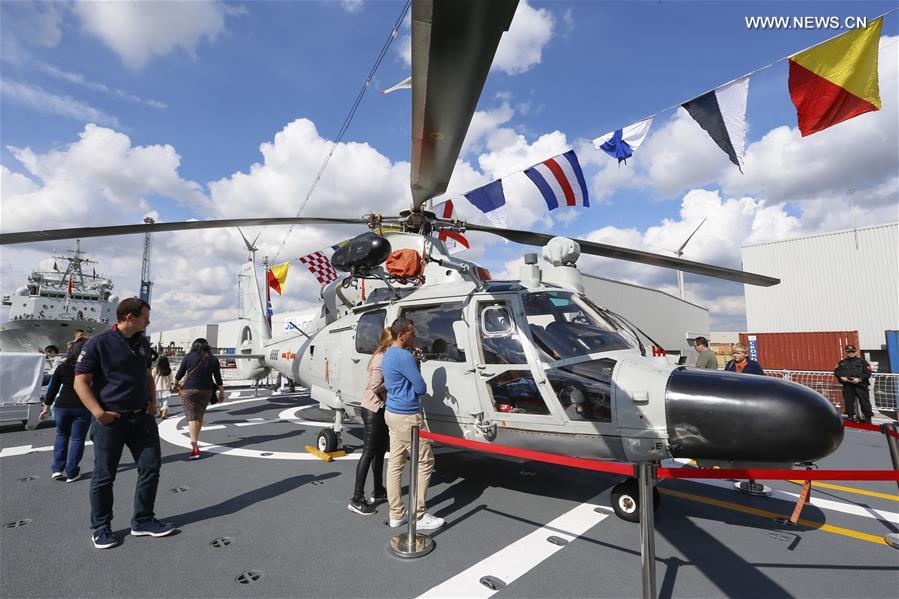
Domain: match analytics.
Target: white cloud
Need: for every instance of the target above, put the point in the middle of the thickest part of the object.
(138, 31)
(33, 23)
(81, 80)
(483, 123)
(520, 48)
(100, 179)
(351, 6)
(44, 101)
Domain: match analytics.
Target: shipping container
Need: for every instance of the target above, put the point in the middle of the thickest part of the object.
(799, 351)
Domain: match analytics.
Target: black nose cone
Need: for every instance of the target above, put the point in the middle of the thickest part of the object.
(743, 417)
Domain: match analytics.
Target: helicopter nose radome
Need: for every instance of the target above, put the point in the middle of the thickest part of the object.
(743, 417)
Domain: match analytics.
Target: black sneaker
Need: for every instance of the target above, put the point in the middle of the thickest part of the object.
(153, 528)
(104, 539)
(361, 507)
(379, 496)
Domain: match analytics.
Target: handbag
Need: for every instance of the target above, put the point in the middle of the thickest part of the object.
(178, 386)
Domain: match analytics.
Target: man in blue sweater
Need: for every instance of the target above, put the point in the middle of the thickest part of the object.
(403, 411)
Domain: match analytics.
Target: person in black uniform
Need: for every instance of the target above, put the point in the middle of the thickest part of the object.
(853, 373)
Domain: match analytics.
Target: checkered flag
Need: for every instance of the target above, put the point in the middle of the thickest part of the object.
(320, 266)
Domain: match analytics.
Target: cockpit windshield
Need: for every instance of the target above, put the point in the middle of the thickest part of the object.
(564, 325)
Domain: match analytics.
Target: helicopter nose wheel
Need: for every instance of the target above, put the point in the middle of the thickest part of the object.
(327, 440)
(626, 500)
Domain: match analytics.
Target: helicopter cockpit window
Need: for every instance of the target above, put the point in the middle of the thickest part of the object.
(368, 331)
(500, 340)
(516, 392)
(584, 389)
(564, 325)
(434, 333)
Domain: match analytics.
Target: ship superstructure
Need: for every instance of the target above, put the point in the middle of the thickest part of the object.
(56, 301)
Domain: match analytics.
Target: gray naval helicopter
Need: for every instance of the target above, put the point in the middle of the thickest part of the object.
(530, 363)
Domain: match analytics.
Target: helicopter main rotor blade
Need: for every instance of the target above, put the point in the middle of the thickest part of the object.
(82, 232)
(611, 251)
(453, 44)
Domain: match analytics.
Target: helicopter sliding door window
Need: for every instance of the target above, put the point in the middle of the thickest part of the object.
(434, 333)
(368, 331)
(500, 340)
(505, 371)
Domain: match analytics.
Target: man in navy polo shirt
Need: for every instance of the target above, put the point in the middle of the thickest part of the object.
(113, 381)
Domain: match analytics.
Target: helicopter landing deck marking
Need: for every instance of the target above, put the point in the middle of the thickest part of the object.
(813, 524)
(516, 560)
(169, 431)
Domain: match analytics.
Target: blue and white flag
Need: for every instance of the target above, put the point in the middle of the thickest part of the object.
(560, 181)
(490, 200)
(621, 143)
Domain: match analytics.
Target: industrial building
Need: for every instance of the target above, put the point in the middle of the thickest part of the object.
(840, 281)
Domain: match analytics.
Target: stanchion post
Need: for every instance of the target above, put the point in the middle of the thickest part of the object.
(893, 443)
(412, 543)
(646, 474)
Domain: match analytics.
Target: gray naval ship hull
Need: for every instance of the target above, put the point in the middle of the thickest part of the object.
(33, 334)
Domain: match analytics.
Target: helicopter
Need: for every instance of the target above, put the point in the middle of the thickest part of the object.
(532, 362)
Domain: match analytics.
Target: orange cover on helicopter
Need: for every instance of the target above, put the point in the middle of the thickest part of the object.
(404, 264)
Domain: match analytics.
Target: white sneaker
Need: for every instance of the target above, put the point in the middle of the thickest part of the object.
(58, 476)
(74, 478)
(429, 522)
(400, 522)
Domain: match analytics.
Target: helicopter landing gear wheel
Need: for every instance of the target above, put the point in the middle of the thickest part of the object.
(327, 440)
(626, 500)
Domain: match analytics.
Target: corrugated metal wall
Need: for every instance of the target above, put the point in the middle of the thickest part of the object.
(801, 351)
(665, 318)
(827, 284)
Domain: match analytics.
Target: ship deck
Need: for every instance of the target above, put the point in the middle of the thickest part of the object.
(283, 515)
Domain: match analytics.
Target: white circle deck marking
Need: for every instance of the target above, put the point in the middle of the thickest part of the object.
(168, 431)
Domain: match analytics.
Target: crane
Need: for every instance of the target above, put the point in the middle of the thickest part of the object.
(145, 283)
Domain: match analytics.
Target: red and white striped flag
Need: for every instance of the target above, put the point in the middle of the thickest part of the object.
(455, 241)
(320, 266)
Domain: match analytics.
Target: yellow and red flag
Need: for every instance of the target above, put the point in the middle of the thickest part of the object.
(836, 80)
(277, 275)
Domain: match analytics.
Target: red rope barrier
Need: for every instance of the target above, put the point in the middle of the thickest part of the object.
(537, 456)
(766, 474)
(696, 473)
(861, 425)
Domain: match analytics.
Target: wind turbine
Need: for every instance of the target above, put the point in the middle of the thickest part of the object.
(680, 252)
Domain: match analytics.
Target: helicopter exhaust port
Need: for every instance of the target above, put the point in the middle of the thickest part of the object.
(738, 417)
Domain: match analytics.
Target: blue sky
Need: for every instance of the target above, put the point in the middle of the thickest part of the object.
(107, 114)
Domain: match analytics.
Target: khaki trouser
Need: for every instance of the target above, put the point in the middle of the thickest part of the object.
(400, 426)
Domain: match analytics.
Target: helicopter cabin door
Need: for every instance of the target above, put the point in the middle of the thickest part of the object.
(452, 394)
(511, 391)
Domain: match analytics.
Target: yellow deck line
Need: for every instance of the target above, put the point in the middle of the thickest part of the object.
(850, 490)
(862, 536)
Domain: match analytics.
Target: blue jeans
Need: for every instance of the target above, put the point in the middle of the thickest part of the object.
(72, 425)
(139, 433)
